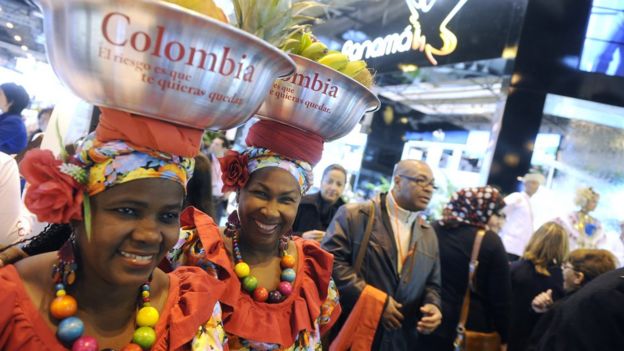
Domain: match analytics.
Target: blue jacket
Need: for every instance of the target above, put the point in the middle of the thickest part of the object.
(13, 137)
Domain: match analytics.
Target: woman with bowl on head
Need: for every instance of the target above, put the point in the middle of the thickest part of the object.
(317, 210)
(279, 290)
(102, 290)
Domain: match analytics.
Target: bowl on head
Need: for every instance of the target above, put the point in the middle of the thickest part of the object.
(160, 60)
(318, 99)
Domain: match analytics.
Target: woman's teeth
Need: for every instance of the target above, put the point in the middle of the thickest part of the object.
(266, 227)
(136, 257)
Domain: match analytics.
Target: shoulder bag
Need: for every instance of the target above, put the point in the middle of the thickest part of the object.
(467, 340)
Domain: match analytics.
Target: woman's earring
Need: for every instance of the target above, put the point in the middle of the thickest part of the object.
(233, 225)
(283, 245)
(65, 270)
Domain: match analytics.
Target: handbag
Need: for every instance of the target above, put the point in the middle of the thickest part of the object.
(467, 340)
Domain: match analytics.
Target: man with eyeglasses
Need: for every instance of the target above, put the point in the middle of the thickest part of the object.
(392, 287)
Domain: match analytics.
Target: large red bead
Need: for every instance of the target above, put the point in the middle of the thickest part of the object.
(63, 307)
(131, 347)
(260, 294)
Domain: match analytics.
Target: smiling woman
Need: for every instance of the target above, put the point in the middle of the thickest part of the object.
(279, 291)
(122, 200)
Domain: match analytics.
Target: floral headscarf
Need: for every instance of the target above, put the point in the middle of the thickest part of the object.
(59, 188)
(236, 167)
(472, 206)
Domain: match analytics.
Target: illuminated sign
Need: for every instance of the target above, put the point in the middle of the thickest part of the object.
(411, 38)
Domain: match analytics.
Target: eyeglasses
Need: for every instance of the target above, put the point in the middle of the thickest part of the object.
(421, 181)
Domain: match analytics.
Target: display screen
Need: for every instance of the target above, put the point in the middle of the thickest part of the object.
(603, 50)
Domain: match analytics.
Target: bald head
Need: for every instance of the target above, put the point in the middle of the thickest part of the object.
(413, 184)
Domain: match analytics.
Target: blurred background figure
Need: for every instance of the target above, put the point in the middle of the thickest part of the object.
(218, 146)
(199, 187)
(317, 210)
(519, 214)
(584, 230)
(43, 118)
(538, 270)
(553, 332)
(13, 99)
(469, 211)
(10, 200)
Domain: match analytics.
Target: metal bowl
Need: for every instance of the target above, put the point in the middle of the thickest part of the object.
(318, 99)
(160, 60)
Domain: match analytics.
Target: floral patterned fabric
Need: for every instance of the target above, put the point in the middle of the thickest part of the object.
(116, 162)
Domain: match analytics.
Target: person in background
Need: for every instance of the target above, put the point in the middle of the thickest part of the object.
(519, 212)
(43, 118)
(199, 188)
(13, 137)
(538, 270)
(10, 199)
(469, 211)
(317, 210)
(396, 294)
(584, 230)
(573, 322)
(218, 146)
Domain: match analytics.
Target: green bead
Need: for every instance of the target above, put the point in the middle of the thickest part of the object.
(144, 337)
(250, 283)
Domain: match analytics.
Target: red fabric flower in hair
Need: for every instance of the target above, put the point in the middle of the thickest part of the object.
(55, 197)
(234, 171)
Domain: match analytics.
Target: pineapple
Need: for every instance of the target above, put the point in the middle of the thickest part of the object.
(274, 20)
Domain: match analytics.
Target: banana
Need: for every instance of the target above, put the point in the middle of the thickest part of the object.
(365, 77)
(291, 45)
(353, 67)
(336, 61)
(315, 51)
(306, 40)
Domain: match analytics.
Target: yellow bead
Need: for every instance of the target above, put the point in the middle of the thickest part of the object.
(61, 293)
(147, 317)
(242, 269)
(145, 294)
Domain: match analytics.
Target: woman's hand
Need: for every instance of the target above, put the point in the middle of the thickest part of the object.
(542, 302)
(313, 235)
(503, 347)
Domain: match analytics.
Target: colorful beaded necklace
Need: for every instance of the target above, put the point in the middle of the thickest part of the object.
(71, 328)
(250, 283)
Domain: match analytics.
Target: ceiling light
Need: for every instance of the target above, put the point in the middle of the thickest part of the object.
(24, 47)
(17, 38)
(10, 25)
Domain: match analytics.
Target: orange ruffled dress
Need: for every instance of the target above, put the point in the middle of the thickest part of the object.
(190, 320)
(293, 324)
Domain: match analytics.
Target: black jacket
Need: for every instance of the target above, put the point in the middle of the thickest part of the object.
(314, 213)
(416, 285)
(591, 319)
(490, 304)
(526, 283)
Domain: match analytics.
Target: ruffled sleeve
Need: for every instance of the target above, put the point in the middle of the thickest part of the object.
(21, 326)
(192, 308)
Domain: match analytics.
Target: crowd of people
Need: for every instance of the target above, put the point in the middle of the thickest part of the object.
(133, 256)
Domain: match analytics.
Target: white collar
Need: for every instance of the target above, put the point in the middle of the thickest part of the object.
(396, 211)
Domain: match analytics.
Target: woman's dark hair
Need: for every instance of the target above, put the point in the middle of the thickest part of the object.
(199, 187)
(226, 143)
(17, 96)
(50, 239)
(335, 167)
